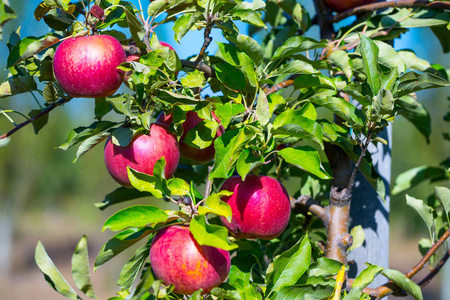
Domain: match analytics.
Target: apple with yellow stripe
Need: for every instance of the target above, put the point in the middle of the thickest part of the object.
(176, 258)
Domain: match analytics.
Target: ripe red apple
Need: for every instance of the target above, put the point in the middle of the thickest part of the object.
(191, 155)
(177, 259)
(142, 153)
(343, 5)
(86, 67)
(260, 206)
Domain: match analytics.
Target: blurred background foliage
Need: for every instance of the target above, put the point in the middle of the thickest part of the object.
(43, 195)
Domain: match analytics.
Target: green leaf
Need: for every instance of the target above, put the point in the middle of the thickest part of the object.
(358, 235)
(251, 47)
(423, 18)
(248, 16)
(341, 59)
(293, 67)
(262, 108)
(39, 122)
(17, 85)
(89, 143)
(298, 13)
(120, 195)
(6, 14)
(214, 205)
(228, 110)
(416, 113)
(414, 176)
(28, 47)
(389, 58)
(121, 241)
(413, 62)
(135, 216)
(80, 134)
(369, 52)
(412, 82)
(324, 267)
(202, 135)
(305, 158)
(292, 123)
(175, 98)
(228, 148)
(247, 161)
(404, 282)
(309, 80)
(136, 28)
(303, 293)
(340, 107)
(288, 267)
(51, 273)
(193, 79)
(64, 4)
(359, 92)
(156, 7)
(362, 280)
(442, 194)
(143, 286)
(178, 187)
(80, 269)
(443, 35)
(122, 136)
(147, 183)
(102, 107)
(297, 44)
(131, 269)
(184, 23)
(230, 76)
(425, 211)
(121, 104)
(210, 235)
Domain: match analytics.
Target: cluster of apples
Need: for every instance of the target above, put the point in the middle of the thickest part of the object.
(87, 67)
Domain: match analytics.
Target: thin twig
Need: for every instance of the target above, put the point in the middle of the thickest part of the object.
(206, 42)
(275, 88)
(207, 70)
(351, 182)
(388, 4)
(209, 182)
(42, 113)
(426, 280)
(388, 288)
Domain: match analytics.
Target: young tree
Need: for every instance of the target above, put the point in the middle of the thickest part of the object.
(220, 134)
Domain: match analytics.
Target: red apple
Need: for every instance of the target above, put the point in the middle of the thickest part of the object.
(191, 155)
(86, 67)
(343, 5)
(176, 258)
(142, 153)
(260, 206)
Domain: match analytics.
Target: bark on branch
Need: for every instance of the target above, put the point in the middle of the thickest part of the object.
(39, 115)
(306, 203)
(390, 287)
(388, 4)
